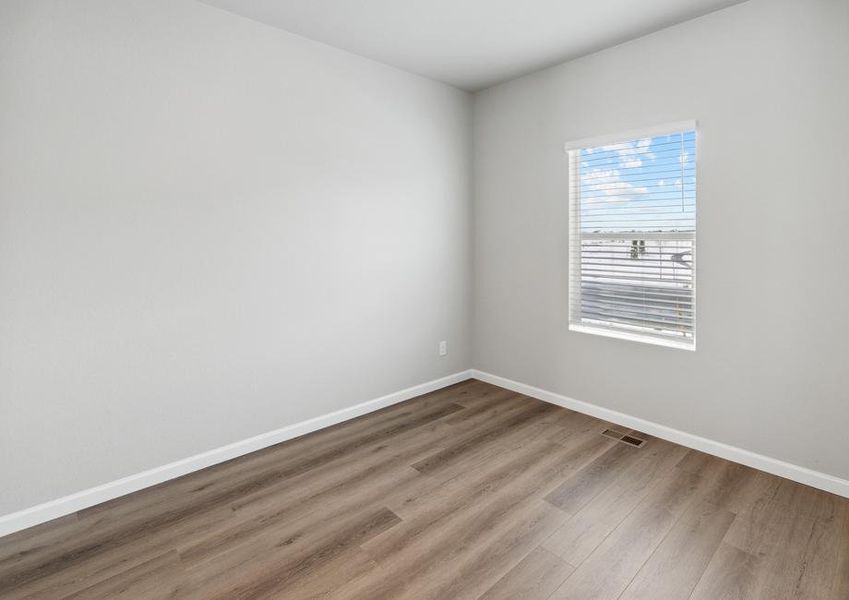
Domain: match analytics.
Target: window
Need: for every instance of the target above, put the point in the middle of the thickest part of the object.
(632, 248)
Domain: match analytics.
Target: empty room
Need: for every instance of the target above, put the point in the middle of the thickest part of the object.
(424, 300)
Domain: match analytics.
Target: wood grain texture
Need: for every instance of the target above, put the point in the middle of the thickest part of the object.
(534, 578)
(470, 492)
(676, 566)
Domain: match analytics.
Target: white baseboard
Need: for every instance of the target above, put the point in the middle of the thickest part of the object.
(63, 506)
(114, 489)
(829, 483)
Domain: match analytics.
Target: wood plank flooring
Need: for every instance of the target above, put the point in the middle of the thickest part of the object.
(472, 492)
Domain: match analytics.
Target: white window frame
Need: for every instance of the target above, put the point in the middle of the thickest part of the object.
(572, 150)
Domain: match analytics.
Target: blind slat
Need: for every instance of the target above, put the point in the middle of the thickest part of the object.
(654, 311)
(683, 304)
(661, 171)
(684, 339)
(665, 154)
(624, 145)
(643, 322)
(655, 292)
(644, 177)
(672, 205)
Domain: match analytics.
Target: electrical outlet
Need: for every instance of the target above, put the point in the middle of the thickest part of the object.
(443, 348)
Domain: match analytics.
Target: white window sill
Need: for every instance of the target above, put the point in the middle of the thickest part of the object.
(633, 337)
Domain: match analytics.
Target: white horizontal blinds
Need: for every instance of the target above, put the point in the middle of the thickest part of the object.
(633, 227)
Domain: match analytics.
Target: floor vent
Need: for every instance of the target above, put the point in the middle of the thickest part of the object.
(612, 433)
(623, 437)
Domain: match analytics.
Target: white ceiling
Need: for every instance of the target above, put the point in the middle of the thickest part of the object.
(471, 44)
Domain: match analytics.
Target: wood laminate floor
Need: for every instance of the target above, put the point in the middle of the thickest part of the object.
(471, 492)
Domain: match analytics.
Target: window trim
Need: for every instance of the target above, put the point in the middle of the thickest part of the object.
(572, 149)
(631, 135)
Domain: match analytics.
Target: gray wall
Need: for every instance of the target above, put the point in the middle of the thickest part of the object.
(210, 229)
(768, 82)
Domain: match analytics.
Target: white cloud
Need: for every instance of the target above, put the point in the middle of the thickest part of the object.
(610, 182)
(631, 154)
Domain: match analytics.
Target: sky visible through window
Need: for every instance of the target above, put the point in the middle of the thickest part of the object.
(644, 185)
(633, 258)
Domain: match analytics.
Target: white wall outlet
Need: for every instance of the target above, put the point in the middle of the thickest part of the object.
(443, 348)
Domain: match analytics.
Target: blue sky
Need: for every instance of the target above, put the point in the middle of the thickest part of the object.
(647, 184)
